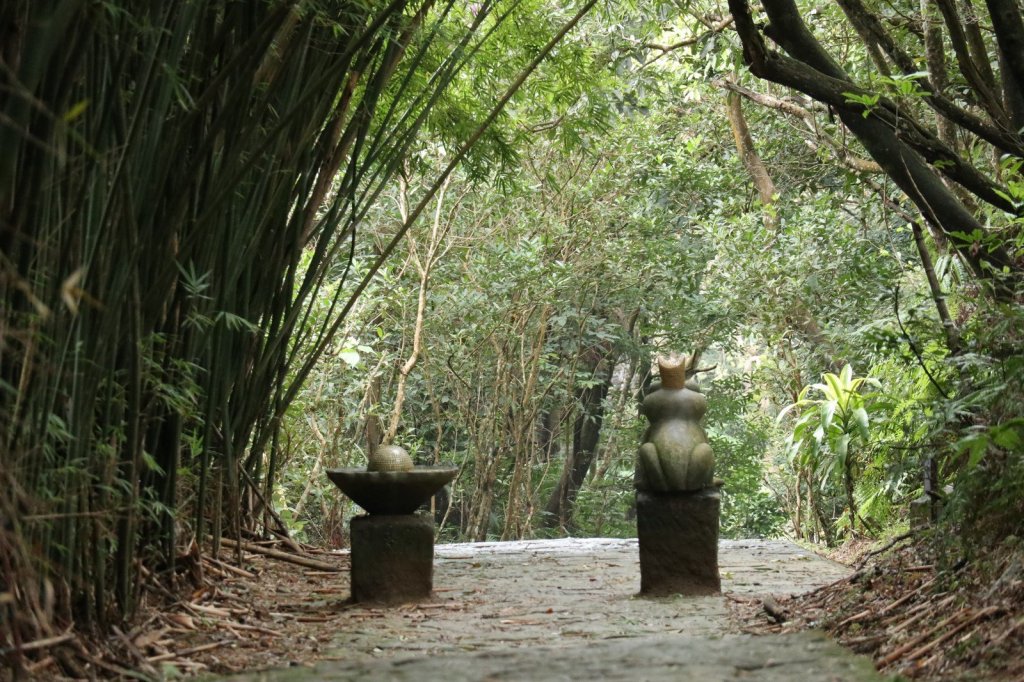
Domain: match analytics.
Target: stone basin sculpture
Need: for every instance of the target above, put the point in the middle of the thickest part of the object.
(392, 547)
(392, 492)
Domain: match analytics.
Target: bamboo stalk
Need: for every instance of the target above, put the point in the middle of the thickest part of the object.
(170, 174)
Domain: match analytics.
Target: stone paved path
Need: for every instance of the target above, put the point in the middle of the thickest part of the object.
(568, 609)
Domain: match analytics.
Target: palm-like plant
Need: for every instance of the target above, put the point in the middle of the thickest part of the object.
(832, 428)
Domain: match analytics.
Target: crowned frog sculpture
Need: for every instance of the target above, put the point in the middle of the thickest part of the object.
(675, 455)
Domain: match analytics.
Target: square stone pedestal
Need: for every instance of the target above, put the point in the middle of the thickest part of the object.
(678, 534)
(392, 558)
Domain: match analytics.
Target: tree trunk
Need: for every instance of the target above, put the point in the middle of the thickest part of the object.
(483, 496)
(824, 523)
(935, 58)
(585, 436)
(798, 519)
(522, 427)
(751, 160)
(549, 428)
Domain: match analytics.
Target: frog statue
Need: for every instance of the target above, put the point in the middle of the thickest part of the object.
(675, 455)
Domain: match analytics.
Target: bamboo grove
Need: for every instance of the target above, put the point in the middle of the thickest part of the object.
(178, 180)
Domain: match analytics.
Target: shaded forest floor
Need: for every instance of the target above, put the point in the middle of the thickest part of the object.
(278, 608)
(914, 616)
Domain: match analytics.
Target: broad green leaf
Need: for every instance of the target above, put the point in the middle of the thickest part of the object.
(842, 447)
(786, 410)
(835, 388)
(860, 417)
(827, 412)
(976, 445)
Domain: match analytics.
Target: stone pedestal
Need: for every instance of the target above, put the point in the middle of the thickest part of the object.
(392, 558)
(678, 535)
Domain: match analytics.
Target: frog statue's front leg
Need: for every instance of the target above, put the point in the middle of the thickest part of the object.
(700, 471)
(671, 466)
(649, 473)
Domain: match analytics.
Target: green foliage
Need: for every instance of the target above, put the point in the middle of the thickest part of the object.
(984, 426)
(830, 424)
(739, 436)
(606, 507)
(545, 264)
(832, 430)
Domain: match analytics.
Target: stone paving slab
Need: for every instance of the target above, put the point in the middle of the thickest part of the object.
(569, 609)
(806, 656)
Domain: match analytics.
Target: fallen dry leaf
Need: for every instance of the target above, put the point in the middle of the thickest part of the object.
(148, 639)
(182, 619)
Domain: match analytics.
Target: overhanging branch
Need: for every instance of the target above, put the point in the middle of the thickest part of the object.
(809, 69)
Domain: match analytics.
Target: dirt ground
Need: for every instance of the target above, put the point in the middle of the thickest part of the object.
(913, 616)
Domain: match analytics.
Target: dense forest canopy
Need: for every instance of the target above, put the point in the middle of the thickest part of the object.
(243, 243)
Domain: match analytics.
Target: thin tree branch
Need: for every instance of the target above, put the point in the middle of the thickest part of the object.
(716, 27)
(751, 159)
(913, 346)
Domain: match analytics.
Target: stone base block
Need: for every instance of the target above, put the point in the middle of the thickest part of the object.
(392, 558)
(678, 534)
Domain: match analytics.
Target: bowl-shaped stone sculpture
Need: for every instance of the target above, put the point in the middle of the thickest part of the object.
(392, 492)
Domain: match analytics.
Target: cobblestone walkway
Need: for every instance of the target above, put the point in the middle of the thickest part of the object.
(568, 609)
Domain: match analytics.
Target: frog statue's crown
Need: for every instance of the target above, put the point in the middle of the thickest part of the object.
(673, 369)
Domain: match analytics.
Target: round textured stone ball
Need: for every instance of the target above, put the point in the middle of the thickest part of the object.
(389, 458)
